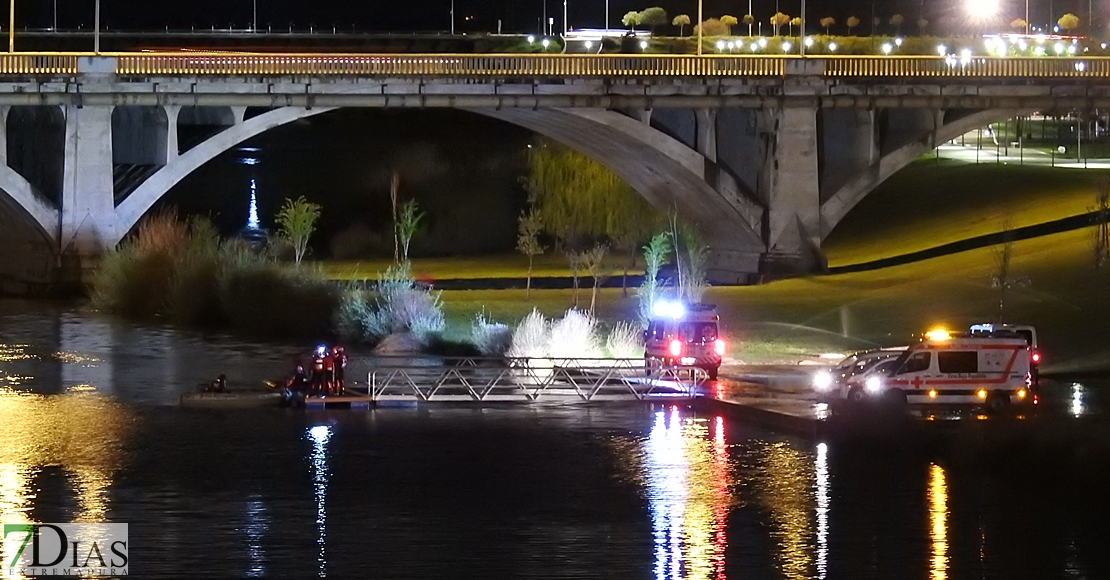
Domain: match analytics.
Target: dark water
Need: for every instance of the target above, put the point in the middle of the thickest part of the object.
(90, 432)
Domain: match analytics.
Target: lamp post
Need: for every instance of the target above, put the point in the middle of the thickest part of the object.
(452, 17)
(566, 25)
(11, 28)
(96, 28)
(699, 27)
(802, 31)
(254, 15)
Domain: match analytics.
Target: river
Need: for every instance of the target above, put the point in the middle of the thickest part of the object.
(91, 432)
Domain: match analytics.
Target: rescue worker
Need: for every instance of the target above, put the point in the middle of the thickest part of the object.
(329, 373)
(299, 380)
(319, 379)
(219, 385)
(340, 368)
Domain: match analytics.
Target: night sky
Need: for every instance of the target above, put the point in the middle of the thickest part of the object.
(517, 15)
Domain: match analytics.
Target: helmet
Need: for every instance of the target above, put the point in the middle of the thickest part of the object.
(321, 350)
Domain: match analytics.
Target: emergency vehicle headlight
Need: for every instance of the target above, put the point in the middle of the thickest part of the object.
(668, 309)
(873, 384)
(822, 380)
(1021, 394)
(938, 334)
(982, 394)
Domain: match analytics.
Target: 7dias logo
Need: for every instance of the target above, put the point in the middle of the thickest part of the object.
(64, 550)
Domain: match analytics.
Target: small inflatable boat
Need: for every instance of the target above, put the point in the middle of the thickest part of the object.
(232, 400)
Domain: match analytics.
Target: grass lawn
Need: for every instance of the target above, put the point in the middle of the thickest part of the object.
(929, 204)
(793, 319)
(513, 265)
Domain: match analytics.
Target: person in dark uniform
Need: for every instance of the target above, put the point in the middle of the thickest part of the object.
(340, 359)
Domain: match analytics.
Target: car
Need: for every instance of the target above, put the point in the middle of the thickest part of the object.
(828, 382)
(681, 335)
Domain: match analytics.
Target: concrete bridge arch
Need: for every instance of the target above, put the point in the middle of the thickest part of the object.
(774, 202)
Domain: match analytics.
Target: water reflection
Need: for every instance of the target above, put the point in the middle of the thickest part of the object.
(822, 489)
(688, 494)
(1076, 399)
(786, 485)
(258, 523)
(938, 522)
(320, 435)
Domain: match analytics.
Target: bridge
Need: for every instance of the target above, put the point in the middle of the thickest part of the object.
(766, 153)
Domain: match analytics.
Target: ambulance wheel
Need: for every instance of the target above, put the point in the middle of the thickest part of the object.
(895, 400)
(998, 402)
(856, 396)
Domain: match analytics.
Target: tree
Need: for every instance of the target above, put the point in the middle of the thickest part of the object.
(529, 227)
(1068, 22)
(655, 254)
(1019, 24)
(778, 21)
(1003, 278)
(897, 21)
(406, 225)
(296, 223)
(750, 21)
(692, 264)
(852, 22)
(729, 21)
(654, 16)
(1100, 242)
(922, 24)
(594, 263)
(631, 19)
(681, 21)
(394, 187)
(711, 27)
(796, 21)
(828, 22)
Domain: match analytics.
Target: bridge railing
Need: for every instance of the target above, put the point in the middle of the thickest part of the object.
(555, 65)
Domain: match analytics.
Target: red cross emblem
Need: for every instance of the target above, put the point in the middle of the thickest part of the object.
(917, 382)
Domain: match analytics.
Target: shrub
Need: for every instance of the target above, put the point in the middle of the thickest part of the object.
(574, 336)
(530, 337)
(401, 306)
(625, 340)
(491, 338)
(268, 298)
(134, 280)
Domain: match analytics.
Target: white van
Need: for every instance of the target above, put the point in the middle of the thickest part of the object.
(1026, 332)
(958, 371)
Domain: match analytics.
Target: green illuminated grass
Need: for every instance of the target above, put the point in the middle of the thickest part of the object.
(459, 267)
(790, 320)
(929, 204)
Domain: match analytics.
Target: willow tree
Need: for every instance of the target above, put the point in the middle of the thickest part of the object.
(583, 203)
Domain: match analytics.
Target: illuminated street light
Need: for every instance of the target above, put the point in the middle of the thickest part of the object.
(832, 47)
(643, 45)
(809, 41)
(982, 9)
(786, 46)
(887, 47)
(942, 50)
(545, 43)
(898, 41)
(1059, 48)
(720, 46)
(531, 39)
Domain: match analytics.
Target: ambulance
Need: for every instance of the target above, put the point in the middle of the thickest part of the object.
(975, 370)
(681, 335)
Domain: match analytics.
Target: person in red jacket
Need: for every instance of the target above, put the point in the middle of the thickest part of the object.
(329, 373)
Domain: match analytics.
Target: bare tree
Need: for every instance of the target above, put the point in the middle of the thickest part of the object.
(528, 241)
(1003, 278)
(1101, 242)
(408, 222)
(594, 262)
(394, 187)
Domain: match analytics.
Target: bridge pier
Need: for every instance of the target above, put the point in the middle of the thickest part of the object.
(792, 181)
(88, 213)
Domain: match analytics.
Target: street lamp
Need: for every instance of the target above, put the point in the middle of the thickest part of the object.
(96, 28)
(254, 16)
(700, 21)
(982, 9)
(11, 28)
